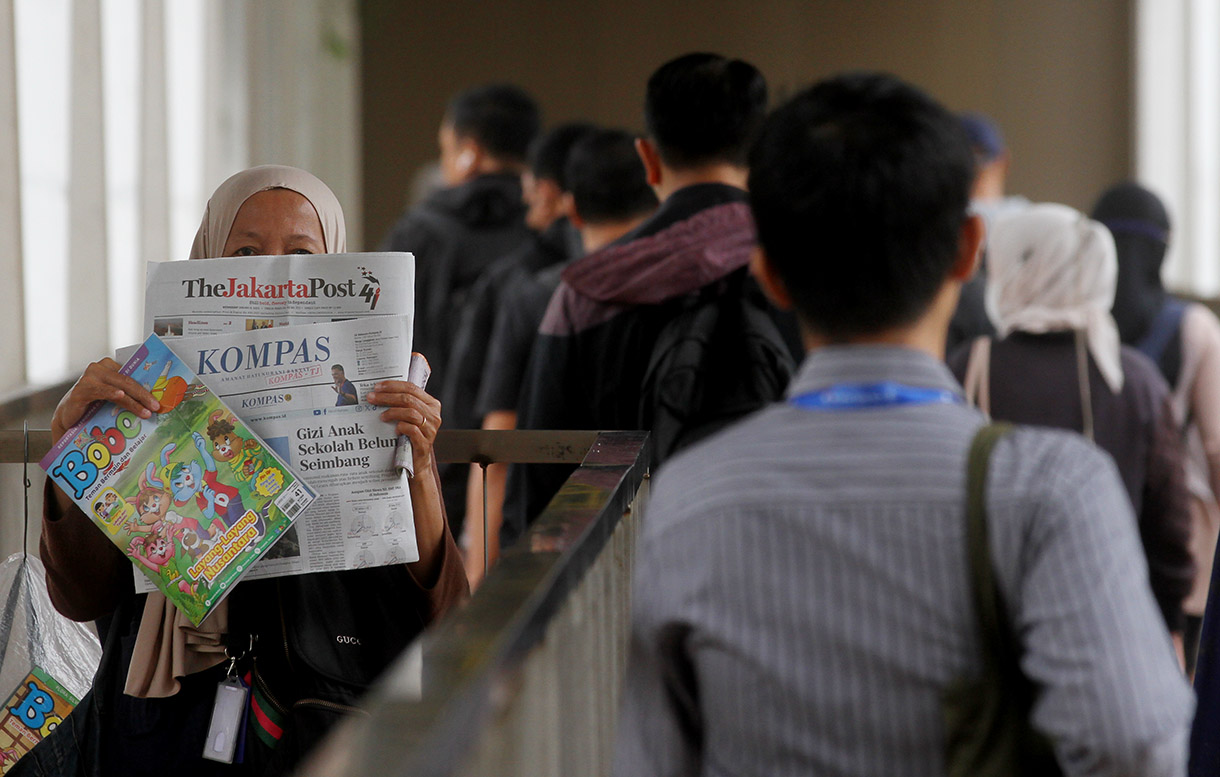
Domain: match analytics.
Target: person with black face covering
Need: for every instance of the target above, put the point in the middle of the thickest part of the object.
(1183, 338)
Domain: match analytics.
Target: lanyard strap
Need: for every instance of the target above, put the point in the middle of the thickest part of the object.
(866, 396)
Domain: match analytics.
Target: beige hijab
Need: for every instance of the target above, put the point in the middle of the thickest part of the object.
(1050, 268)
(167, 645)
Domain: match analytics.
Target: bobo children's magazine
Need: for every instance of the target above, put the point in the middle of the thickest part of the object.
(32, 711)
(153, 485)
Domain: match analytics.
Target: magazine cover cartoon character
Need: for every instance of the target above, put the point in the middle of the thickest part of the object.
(195, 542)
(219, 504)
(170, 390)
(151, 504)
(159, 553)
(246, 457)
(104, 508)
(109, 502)
(112, 510)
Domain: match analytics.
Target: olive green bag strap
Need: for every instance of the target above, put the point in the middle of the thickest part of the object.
(987, 728)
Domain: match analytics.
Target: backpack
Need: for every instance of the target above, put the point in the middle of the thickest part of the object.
(719, 357)
(1162, 343)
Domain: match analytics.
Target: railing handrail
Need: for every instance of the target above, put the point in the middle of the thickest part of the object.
(30, 400)
(452, 445)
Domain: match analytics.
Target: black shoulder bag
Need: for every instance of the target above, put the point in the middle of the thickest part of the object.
(987, 727)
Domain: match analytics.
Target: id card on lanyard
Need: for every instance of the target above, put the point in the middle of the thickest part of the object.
(869, 396)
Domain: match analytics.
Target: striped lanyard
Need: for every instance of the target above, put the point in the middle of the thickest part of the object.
(868, 396)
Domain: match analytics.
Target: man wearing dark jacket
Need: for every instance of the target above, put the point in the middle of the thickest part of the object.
(477, 218)
(552, 240)
(594, 344)
(607, 197)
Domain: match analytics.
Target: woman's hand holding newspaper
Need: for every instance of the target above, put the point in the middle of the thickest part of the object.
(415, 413)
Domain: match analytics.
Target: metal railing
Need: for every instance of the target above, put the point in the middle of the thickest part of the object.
(31, 402)
(524, 678)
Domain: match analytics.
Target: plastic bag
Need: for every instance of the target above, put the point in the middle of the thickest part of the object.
(47, 662)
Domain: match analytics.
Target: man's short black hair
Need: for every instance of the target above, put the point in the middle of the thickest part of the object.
(501, 118)
(338, 367)
(607, 178)
(703, 108)
(548, 155)
(859, 187)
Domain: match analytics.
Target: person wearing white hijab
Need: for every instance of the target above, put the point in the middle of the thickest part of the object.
(1050, 286)
(1053, 269)
(156, 667)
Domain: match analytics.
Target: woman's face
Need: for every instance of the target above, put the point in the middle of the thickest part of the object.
(275, 222)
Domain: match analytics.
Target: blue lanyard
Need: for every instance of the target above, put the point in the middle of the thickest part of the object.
(866, 396)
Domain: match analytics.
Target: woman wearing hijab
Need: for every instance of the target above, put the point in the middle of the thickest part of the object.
(1183, 339)
(152, 699)
(1059, 363)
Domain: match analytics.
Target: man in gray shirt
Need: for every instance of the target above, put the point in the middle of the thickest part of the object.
(801, 594)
